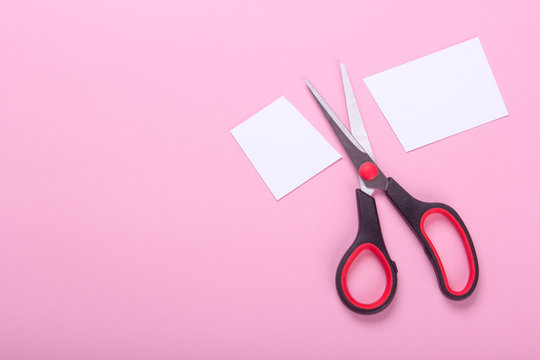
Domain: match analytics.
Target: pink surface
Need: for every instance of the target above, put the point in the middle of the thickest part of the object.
(133, 227)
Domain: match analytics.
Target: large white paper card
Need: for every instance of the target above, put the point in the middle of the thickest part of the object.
(284, 147)
(438, 95)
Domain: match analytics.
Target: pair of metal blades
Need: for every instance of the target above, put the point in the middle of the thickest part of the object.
(356, 144)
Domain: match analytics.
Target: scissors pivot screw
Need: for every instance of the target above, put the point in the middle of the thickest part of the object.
(368, 171)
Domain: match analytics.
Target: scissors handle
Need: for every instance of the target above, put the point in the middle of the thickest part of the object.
(415, 212)
(369, 238)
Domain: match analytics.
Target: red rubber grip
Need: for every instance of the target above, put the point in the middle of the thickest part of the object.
(466, 244)
(388, 272)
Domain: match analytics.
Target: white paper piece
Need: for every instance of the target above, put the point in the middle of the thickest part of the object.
(284, 147)
(438, 95)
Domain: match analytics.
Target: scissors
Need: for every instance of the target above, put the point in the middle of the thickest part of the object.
(413, 211)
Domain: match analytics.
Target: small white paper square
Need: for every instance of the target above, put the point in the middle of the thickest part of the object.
(438, 95)
(284, 147)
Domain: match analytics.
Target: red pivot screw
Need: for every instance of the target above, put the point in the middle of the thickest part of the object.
(368, 171)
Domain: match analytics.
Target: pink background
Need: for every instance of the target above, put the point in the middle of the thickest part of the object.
(132, 226)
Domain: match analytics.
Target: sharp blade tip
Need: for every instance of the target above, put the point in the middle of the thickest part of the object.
(310, 87)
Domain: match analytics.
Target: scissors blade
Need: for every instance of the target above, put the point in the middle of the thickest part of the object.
(352, 147)
(358, 129)
(354, 150)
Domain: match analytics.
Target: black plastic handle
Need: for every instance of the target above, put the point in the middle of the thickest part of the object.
(415, 213)
(369, 238)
